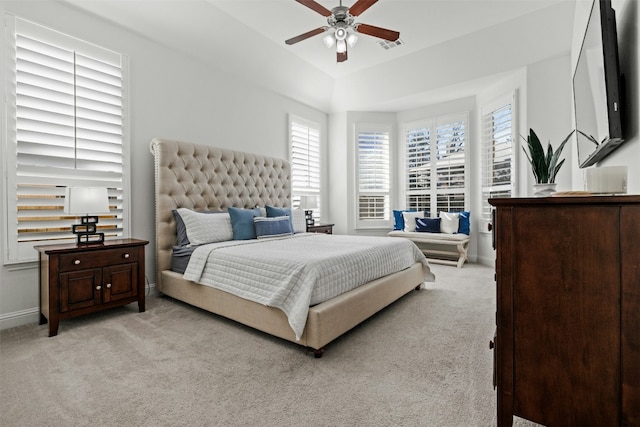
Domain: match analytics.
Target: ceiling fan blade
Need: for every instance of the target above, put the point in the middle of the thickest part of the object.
(382, 33)
(311, 4)
(341, 57)
(360, 6)
(305, 35)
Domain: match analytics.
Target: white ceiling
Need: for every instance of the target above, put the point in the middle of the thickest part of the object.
(246, 38)
(421, 23)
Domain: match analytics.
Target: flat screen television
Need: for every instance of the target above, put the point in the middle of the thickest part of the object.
(597, 87)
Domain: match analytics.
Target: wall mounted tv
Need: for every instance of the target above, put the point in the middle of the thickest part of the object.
(597, 87)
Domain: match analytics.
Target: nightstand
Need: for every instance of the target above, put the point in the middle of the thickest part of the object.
(320, 228)
(77, 280)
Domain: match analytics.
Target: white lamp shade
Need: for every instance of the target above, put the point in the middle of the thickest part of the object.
(86, 200)
(308, 202)
(328, 40)
(352, 39)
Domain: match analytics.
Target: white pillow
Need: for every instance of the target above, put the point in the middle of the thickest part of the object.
(410, 220)
(299, 221)
(449, 222)
(206, 227)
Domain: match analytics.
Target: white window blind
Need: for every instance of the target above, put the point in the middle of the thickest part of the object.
(498, 132)
(66, 112)
(373, 174)
(435, 164)
(305, 161)
(418, 166)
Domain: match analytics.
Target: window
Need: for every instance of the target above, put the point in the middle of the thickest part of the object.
(435, 164)
(65, 120)
(373, 174)
(304, 155)
(498, 132)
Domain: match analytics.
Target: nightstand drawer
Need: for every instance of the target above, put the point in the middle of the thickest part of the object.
(320, 228)
(81, 261)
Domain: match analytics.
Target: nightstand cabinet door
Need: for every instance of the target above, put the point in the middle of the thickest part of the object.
(120, 282)
(80, 289)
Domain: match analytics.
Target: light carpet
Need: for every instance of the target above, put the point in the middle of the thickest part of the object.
(423, 361)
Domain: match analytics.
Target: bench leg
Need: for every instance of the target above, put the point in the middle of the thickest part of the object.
(462, 251)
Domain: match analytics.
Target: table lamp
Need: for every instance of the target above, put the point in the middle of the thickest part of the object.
(309, 203)
(88, 202)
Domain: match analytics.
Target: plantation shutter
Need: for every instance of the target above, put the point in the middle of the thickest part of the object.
(498, 132)
(305, 161)
(450, 163)
(373, 205)
(435, 164)
(68, 116)
(418, 166)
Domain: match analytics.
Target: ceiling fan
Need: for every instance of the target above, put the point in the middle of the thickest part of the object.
(342, 30)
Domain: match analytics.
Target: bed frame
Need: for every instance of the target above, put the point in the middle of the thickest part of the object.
(202, 177)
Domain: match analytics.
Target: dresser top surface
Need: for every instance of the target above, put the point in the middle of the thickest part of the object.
(581, 200)
(72, 247)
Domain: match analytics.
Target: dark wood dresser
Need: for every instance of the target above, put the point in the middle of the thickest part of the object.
(567, 345)
(77, 280)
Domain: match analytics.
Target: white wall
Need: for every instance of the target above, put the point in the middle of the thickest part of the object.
(171, 96)
(549, 114)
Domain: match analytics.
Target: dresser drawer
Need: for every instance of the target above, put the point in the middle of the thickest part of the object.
(93, 259)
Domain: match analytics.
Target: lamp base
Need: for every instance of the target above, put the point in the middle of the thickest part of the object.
(308, 215)
(86, 231)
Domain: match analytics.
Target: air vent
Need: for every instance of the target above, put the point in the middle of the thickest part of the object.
(386, 44)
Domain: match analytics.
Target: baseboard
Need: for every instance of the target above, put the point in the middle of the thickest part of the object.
(488, 261)
(31, 315)
(19, 318)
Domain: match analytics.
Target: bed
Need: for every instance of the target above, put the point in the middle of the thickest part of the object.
(206, 178)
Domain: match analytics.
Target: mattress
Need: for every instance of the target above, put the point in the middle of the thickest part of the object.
(291, 273)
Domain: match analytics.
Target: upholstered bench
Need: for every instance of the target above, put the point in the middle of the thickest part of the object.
(454, 245)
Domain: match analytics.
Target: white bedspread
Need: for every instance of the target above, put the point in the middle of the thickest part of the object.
(294, 272)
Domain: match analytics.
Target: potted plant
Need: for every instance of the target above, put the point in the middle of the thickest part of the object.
(545, 165)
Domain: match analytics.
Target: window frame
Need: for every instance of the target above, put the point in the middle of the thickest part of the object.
(488, 191)
(13, 252)
(372, 224)
(308, 191)
(433, 123)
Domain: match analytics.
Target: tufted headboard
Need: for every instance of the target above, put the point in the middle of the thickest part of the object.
(202, 177)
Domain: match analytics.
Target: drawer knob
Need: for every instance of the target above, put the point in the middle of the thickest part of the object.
(76, 262)
(126, 256)
(108, 285)
(98, 287)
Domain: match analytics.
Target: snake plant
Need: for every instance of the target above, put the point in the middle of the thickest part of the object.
(545, 165)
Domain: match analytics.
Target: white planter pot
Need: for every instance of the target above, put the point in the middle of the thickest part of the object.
(544, 190)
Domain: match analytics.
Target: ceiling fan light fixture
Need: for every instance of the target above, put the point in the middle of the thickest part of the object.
(341, 33)
(352, 39)
(329, 41)
(341, 46)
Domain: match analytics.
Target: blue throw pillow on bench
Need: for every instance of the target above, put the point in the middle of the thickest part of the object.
(464, 224)
(428, 225)
(398, 219)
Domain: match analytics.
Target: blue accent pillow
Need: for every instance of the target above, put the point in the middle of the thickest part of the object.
(464, 224)
(398, 219)
(242, 222)
(428, 225)
(273, 212)
(273, 227)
